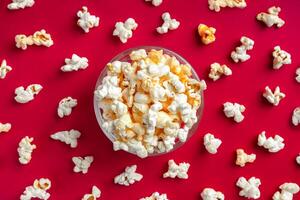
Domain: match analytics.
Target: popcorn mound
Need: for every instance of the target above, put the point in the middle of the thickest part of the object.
(149, 103)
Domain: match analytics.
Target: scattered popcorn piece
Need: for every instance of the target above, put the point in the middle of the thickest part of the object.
(86, 20)
(273, 144)
(298, 159)
(216, 5)
(4, 128)
(240, 53)
(75, 63)
(68, 137)
(272, 17)
(17, 4)
(206, 33)
(217, 70)
(298, 75)
(211, 194)
(96, 193)
(234, 110)
(211, 143)
(25, 150)
(169, 23)
(65, 106)
(24, 96)
(124, 30)
(179, 171)
(249, 187)
(155, 2)
(287, 191)
(37, 190)
(128, 177)
(4, 69)
(39, 38)
(82, 164)
(280, 58)
(242, 158)
(273, 97)
(156, 196)
(296, 116)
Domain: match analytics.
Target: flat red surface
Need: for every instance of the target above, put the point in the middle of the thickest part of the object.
(38, 118)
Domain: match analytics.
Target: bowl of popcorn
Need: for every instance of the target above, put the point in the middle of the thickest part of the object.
(148, 101)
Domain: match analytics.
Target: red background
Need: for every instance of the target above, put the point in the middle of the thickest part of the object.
(38, 118)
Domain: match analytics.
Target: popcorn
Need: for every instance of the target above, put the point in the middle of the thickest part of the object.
(169, 24)
(39, 38)
(280, 58)
(273, 144)
(65, 106)
(82, 164)
(249, 187)
(206, 33)
(155, 2)
(179, 171)
(128, 177)
(295, 118)
(240, 53)
(75, 63)
(37, 190)
(25, 150)
(242, 158)
(298, 75)
(96, 193)
(24, 96)
(234, 110)
(156, 196)
(4, 69)
(273, 97)
(298, 159)
(272, 17)
(109, 88)
(86, 20)
(68, 137)
(287, 191)
(124, 30)
(217, 70)
(4, 128)
(211, 194)
(211, 143)
(17, 4)
(216, 5)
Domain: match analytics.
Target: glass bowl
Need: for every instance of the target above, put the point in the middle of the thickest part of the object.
(124, 57)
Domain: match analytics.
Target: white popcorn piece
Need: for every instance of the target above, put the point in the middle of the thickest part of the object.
(37, 190)
(86, 20)
(298, 159)
(65, 106)
(4, 69)
(242, 157)
(4, 128)
(169, 23)
(17, 4)
(96, 193)
(217, 70)
(273, 144)
(156, 196)
(82, 164)
(298, 75)
(211, 194)
(271, 17)
(249, 188)
(179, 171)
(216, 5)
(24, 96)
(240, 53)
(280, 58)
(273, 97)
(155, 2)
(75, 63)
(25, 150)
(124, 30)
(211, 143)
(128, 177)
(234, 110)
(288, 190)
(68, 137)
(39, 38)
